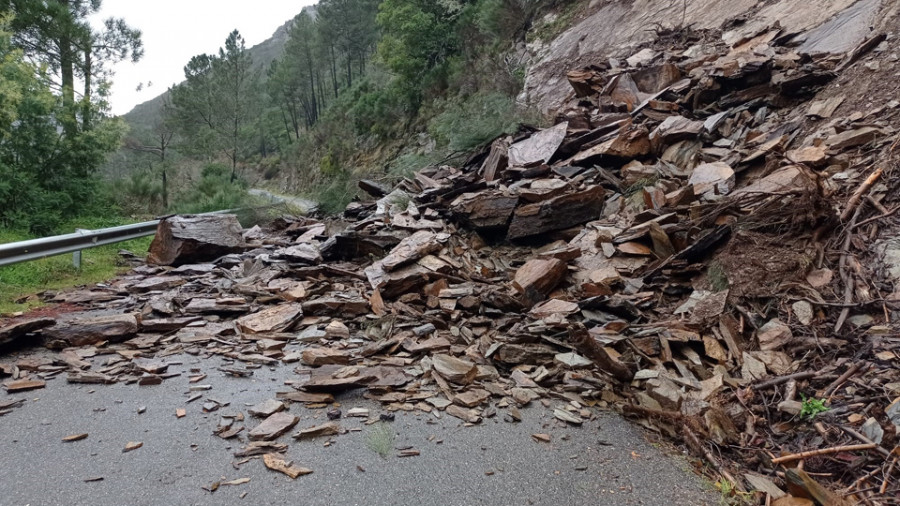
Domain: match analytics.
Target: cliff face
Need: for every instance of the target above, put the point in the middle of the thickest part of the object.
(616, 29)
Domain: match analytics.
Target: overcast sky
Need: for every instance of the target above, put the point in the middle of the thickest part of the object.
(176, 30)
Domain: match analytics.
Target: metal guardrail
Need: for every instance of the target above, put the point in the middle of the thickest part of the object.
(35, 249)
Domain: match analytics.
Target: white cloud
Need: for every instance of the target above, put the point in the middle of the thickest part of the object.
(176, 30)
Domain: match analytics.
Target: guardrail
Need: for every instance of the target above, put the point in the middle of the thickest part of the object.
(35, 249)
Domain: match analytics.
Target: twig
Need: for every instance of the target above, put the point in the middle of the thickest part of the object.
(860, 481)
(784, 379)
(855, 368)
(846, 277)
(823, 451)
(890, 212)
(689, 434)
(857, 195)
(887, 476)
(882, 450)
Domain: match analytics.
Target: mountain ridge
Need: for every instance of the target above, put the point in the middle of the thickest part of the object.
(145, 114)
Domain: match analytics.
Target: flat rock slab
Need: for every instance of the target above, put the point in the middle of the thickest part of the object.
(538, 277)
(23, 385)
(454, 369)
(539, 148)
(266, 408)
(325, 429)
(273, 319)
(13, 331)
(91, 330)
(324, 356)
(273, 426)
(556, 214)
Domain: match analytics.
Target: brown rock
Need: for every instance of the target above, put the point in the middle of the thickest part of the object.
(485, 211)
(852, 138)
(709, 180)
(266, 408)
(273, 426)
(627, 145)
(91, 330)
(811, 155)
(538, 277)
(412, 248)
(792, 177)
(774, 335)
(339, 305)
(454, 369)
(323, 356)
(539, 148)
(194, 239)
(325, 429)
(23, 385)
(543, 189)
(276, 463)
(336, 331)
(274, 319)
(674, 129)
(472, 398)
(466, 415)
(557, 213)
(15, 330)
(497, 160)
(157, 283)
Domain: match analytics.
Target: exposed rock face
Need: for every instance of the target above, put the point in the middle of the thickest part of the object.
(617, 28)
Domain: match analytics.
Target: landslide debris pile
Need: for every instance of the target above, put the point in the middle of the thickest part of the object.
(682, 246)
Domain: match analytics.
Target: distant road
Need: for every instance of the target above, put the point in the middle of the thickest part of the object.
(305, 205)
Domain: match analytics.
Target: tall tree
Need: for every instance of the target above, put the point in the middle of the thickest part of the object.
(350, 26)
(237, 93)
(56, 34)
(218, 102)
(48, 158)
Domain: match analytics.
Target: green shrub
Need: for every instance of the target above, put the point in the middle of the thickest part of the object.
(333, 195)
(214, 191)
(474, 121)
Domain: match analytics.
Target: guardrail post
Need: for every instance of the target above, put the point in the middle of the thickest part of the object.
(76, 255)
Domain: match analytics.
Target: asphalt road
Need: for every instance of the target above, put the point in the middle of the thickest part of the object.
(606, 461)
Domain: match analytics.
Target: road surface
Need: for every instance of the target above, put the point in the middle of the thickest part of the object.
(606, 461)
(305, 205)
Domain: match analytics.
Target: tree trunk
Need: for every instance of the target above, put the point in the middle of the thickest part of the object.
(67, 72)
(334, 71)
(165, 189)
(349, 70)
(86, 101)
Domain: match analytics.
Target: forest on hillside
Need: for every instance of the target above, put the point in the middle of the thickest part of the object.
(357, 88)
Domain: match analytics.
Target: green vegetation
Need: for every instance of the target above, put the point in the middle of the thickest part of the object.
(20, 282)
(718, 278)
(811, 407)
(355, 83)
(380, 439)
(553, 27)
(347, 89)
(52, 138)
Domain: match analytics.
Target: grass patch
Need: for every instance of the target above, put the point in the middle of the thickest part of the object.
(380, 439)
(29, 278)
(553, 28)
(718, 278)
